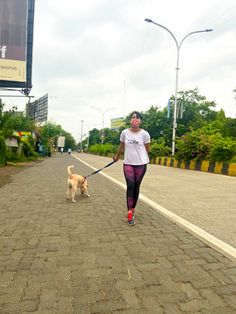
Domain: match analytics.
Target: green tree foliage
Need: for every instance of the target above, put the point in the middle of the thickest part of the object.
(229, 128)
(111, 136)
(19, 123)
(197, 111)
(222, 149)
(28, 150)
(103, 149)
(195, 144)
(159, 148)
(206, 143)
(94, 137)
(157, 124)
(51, 131)
(10, 121)
(2, 150)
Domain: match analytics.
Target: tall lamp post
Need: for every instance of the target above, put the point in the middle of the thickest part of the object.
(103, 114)
(178, 46)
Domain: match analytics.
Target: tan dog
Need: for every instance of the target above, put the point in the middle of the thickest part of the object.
(76, 181)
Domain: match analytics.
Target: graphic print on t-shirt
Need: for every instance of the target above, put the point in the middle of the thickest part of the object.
(133, 141)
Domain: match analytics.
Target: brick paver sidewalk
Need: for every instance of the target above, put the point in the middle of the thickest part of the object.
(59, 257)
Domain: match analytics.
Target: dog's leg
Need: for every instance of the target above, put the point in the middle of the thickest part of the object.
(73, 192)
(68, 192)
(86, 193)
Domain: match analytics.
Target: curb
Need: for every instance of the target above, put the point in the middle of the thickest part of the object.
(205, 166)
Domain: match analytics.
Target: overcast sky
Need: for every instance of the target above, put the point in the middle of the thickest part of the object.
(101, 53)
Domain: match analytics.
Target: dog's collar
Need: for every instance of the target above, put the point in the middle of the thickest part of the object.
(84, 180)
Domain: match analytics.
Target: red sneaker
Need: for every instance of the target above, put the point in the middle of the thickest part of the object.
(131, 221)
(130, 215)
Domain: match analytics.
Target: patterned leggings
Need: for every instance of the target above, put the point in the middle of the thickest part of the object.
(134, 176)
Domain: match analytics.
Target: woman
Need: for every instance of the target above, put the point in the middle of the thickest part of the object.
(135, 143)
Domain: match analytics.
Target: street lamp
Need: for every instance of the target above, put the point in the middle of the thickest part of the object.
(178, 46)
(103, 114)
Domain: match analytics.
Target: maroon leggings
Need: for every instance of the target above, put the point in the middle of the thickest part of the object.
(134, 176)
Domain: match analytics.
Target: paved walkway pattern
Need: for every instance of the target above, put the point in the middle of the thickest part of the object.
(64, 258)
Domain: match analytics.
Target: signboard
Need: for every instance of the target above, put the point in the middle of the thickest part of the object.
(61, 141)
(24, 135)
(16, 41)
(116, 123)
(11, 142)
(38, 109)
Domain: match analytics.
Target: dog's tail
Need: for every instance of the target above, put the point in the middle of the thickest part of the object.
(69, 170)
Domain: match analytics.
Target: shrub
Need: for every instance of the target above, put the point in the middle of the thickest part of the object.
(196, 145)
(158, 148)
(12, 154)
(28, 150)
(2, 150)
(102, 149)
(223, 149)
(187, 147)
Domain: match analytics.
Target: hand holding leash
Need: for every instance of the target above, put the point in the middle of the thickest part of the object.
(115, 158)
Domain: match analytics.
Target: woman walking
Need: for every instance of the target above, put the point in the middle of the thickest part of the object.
(135, 143)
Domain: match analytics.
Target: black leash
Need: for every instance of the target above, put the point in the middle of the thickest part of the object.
(108, 165)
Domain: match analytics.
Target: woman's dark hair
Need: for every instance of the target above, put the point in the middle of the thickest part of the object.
(138, 115)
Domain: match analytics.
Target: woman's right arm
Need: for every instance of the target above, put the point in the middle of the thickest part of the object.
(119, 151)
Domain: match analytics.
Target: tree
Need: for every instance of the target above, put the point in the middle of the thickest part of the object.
(197, 111)
(10, 121)
(50, 132)
(94, 137)
(157, 124)
(111, 136)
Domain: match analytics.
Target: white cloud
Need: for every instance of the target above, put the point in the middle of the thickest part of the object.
(102, 53)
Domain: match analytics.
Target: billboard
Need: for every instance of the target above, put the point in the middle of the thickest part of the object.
(16, 42)
(116, 123)
(38, 109)
(61, 141)
(24, 135)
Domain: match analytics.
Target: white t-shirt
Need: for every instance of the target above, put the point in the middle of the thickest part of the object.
(135, 150)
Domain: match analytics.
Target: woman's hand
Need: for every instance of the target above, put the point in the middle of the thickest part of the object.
(115, 158)
(119, 151)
